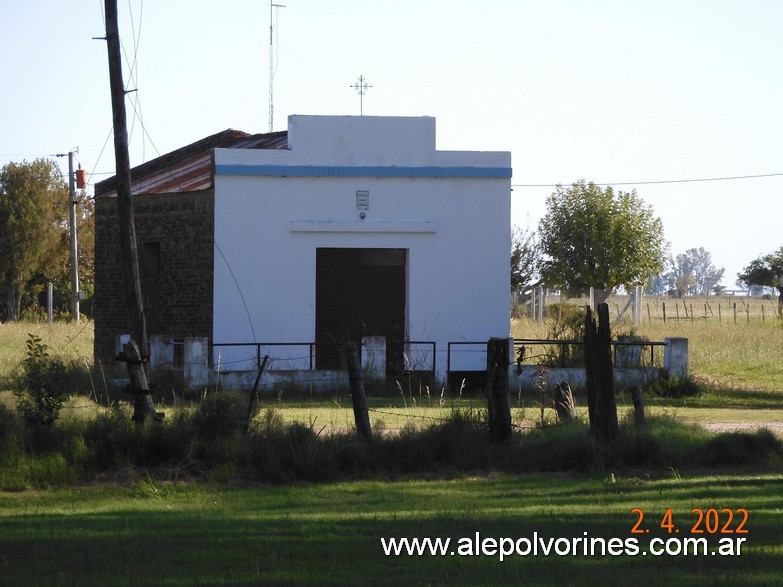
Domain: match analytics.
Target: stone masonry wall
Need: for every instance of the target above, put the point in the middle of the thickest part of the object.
(174, 234)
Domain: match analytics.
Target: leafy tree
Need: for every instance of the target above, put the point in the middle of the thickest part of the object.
(593, 237)
(692, 273)
(525, 259)
(766, 271)
(33, 220)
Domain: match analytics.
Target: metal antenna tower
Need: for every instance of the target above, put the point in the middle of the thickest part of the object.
(361, 86)
(272, 66)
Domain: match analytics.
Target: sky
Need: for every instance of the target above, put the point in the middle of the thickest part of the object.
(640, 93)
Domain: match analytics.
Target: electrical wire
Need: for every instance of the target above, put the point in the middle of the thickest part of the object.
(651, 182)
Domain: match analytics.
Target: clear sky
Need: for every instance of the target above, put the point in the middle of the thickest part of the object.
(606, 90)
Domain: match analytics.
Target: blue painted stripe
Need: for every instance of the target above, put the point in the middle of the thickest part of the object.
(363, 171)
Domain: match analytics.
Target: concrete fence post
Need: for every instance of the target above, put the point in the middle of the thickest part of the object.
(161, 354)
(196, 362)
(675, 356)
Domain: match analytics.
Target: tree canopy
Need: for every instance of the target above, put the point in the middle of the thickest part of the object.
(594, 237)
(525, 259)
(33, 226)
(766, 271)
(693, 273)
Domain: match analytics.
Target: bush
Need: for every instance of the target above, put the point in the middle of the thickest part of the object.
(43, 392)
(675, 387)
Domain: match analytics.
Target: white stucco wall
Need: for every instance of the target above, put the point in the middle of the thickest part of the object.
(273, 209)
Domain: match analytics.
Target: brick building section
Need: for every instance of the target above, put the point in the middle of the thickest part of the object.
(174, 234)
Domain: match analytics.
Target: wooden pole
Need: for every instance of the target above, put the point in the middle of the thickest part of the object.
(602, 405)
(498, 399)
(136, 358)
(254, 393)
(75, 313)
(638, 405)
(360, 414)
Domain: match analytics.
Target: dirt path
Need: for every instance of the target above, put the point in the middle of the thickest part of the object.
(776, 427)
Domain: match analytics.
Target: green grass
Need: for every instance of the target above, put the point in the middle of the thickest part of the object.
(128, 527)
(155, 533)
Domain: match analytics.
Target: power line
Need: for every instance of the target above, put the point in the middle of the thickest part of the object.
(660, 181)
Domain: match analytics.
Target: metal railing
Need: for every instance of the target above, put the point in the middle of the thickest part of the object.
(562, 358)
(412, 356)
(564, 346)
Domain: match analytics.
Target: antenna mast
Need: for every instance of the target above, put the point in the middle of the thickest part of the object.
(272, 67)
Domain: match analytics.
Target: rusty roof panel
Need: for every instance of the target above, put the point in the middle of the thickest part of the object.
(189, 168)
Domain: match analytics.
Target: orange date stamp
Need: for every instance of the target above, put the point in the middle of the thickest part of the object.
(712, 521)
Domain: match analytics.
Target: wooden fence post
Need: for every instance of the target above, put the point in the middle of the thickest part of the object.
(498, 400)
(602, 405)
(638, 405)
(254, 393)
(358, 397)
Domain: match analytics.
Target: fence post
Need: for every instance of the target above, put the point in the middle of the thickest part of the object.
(196, 359)
(498, 401)
(254, 394)
(602, 405)
(49, 302)
(638, 406)
(358, 397)
(533, 304)
(675, 356)
(161, 354)
(540, 301)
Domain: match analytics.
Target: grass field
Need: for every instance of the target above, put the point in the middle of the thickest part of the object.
(195, 534)
(130, 528)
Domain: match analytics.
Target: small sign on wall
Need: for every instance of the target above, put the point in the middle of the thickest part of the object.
(362, 199)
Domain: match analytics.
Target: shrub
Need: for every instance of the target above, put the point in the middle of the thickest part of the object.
(675, 387)
(43, 392)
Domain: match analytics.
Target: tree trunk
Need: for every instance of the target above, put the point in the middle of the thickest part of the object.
(10, 303)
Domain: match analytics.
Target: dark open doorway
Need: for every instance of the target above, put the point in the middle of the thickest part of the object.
(359, 292)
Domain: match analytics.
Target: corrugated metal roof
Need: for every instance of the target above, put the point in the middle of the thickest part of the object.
(189, 168)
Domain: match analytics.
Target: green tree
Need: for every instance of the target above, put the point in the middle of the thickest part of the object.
(594, 237)
(33, 218)
(525, 259)
(766, 271)
(692, 273)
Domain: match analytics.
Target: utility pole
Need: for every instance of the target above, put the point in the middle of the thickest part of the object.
(74, 247)
(75, 293)
(136, 351)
